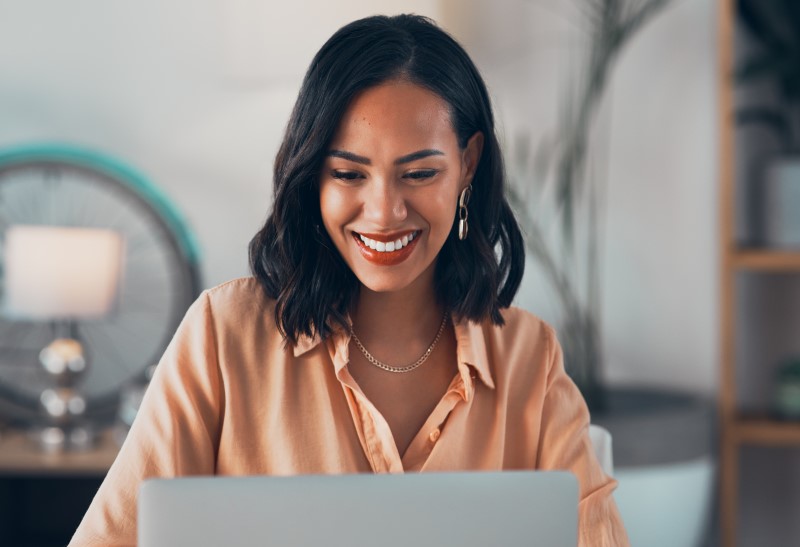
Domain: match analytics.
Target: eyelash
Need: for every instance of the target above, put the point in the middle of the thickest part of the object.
(422, 174)
(346, 175)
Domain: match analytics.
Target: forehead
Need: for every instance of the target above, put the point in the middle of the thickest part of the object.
(395, 113)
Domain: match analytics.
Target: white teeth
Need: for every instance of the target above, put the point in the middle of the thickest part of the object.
(384, 247)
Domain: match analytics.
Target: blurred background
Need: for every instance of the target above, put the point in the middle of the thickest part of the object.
(161, 121)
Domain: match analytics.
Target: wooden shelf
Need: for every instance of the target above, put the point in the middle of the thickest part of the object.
(769, 260)
(766, 431)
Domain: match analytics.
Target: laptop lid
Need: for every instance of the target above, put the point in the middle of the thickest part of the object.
(507, 508)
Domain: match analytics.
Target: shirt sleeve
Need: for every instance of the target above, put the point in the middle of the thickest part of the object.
(176, 431)
(565, 444)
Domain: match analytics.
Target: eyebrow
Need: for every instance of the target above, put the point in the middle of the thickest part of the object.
(403, 159)
(349, 156)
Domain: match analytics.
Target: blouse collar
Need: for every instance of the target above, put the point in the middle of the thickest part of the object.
(470, 347)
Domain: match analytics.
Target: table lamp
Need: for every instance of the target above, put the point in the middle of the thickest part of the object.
(62, 275)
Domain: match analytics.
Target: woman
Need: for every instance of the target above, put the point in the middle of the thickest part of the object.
(376, 335)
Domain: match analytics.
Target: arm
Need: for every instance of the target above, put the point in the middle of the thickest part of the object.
(564, 444)
(176, 431)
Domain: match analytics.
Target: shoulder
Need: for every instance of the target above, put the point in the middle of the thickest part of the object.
(524, 347)
(237, 306)
(233, 325)
(239, 290)
(238, 297)
(523, 328)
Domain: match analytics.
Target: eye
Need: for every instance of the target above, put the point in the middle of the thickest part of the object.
(421, 174)
(346, 175)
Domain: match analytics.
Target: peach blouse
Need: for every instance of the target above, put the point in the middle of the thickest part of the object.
(230, 398)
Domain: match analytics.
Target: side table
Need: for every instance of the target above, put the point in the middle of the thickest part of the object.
(44, 496)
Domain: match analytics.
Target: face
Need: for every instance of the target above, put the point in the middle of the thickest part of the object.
(390, 183)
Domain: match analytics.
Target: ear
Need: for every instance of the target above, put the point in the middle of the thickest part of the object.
(470, 157)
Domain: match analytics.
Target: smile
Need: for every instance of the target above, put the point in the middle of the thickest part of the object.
(387, 246)
(386, 250)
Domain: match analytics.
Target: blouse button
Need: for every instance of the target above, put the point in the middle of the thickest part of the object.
(434, 436)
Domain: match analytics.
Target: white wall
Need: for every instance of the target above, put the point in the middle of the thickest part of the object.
(658, 132)
(196, 95)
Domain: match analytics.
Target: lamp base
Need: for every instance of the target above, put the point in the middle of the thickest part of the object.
(55, 439)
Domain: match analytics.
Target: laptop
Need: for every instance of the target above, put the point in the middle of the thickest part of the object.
(509, 508)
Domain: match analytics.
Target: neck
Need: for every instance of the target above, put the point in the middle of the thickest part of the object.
(409, 318)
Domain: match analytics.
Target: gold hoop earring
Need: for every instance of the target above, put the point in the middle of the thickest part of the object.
(463, 200)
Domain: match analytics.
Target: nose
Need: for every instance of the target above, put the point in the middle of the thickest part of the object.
(385, 203)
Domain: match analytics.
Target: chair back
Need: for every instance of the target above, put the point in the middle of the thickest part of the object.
(601, 441)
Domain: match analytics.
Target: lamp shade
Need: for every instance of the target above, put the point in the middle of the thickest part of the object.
(54, 272)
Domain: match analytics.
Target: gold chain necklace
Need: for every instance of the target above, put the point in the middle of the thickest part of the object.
(409, 368)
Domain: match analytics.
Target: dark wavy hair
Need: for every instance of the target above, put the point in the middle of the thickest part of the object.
(293, 257)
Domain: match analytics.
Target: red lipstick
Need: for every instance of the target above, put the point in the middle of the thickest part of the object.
(387, 258)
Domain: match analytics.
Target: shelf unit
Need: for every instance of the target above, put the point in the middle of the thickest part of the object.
(738, 428)
(742, 260)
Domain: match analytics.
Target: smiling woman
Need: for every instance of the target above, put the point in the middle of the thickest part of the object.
(377, 334)
(388, 100)
(394, 172)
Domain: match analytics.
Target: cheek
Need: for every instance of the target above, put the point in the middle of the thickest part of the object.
(440, 211)
(447, 204)
(333, 207)
(448, 211)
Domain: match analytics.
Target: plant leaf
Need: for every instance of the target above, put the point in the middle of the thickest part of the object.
(762, 66)
(756, 21)
(773, 118)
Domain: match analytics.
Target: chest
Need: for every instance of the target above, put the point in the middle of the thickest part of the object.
(311, 419)
(405, 400)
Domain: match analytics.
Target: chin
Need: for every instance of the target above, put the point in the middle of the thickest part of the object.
(394, 279)
(384, 283)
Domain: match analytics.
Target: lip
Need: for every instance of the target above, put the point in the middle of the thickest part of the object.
(386, 238)
(386, 259)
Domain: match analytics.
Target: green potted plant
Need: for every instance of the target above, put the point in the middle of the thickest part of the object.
(662, 440)
(774, 29)
(787, 390)
(561, 167)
